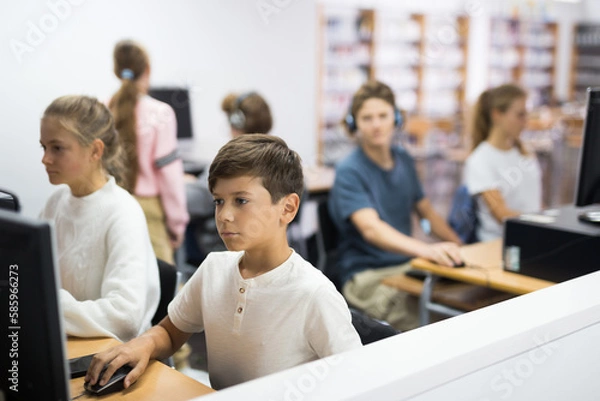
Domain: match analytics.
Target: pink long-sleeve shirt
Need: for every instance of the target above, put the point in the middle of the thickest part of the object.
(160, 168)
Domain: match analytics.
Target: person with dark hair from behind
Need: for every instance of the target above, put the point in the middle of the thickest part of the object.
(505, 178)
(247, 113)
(262, 306)
(376, 189)
(148, 131)
(108, 271)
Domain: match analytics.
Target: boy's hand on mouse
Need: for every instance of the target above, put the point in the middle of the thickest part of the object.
(134, 353)
(443, 253)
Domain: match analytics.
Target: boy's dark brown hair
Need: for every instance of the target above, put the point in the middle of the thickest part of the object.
(265, 156)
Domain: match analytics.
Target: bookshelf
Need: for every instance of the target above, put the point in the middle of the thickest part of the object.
(346, 53)
(524, 51)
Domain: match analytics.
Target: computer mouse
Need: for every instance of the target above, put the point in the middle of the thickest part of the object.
(461, 264)
(115, 383)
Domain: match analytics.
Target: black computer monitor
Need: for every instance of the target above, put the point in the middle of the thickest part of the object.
(179, 100)
(587, 191)
(32, 360)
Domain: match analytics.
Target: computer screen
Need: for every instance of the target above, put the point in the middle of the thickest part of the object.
(32, 361)
(179, 100)
(587, 191)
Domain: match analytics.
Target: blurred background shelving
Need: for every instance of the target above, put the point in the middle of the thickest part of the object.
(586, 60)
(524, 51)
(422, 58)
(346, 54)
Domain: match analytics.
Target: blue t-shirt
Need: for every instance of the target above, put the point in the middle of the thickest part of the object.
(360, 183)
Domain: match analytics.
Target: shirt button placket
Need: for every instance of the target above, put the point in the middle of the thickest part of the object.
(241, 299)
(238, 315)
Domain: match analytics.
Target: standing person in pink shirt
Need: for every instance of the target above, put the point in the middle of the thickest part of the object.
(148, 132)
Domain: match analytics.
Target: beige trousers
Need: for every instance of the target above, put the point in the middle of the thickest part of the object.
(365, 291)
(157, 227)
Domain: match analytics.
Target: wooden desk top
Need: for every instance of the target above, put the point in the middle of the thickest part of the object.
(484, 267)
(158, 383)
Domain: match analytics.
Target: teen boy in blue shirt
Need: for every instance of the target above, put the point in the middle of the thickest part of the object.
(376, 189)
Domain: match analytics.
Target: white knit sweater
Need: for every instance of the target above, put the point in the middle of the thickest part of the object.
(108, 271)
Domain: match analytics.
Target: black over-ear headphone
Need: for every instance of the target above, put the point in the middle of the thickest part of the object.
(237, 119)
(351, 123)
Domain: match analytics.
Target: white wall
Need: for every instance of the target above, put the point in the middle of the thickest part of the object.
(213, 47)
(591, 11)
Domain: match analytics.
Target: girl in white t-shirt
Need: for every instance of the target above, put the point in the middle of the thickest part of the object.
(504, 176)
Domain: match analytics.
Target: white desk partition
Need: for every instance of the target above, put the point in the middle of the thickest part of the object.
(540, 346)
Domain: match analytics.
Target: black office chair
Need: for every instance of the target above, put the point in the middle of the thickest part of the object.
(327, 244)
(169, 281)
(168, 287)
(369, 329)
(9, 201)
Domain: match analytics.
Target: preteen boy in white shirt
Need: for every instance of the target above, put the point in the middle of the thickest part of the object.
(263, 308)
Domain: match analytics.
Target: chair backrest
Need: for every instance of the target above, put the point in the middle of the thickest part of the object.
(327, 243)
(9, 201)
(370, 330)
(327, 229)
(463, 215)
(168, 287)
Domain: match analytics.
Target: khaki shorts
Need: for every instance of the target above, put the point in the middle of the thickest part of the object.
(157, 228)
(365, 291)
